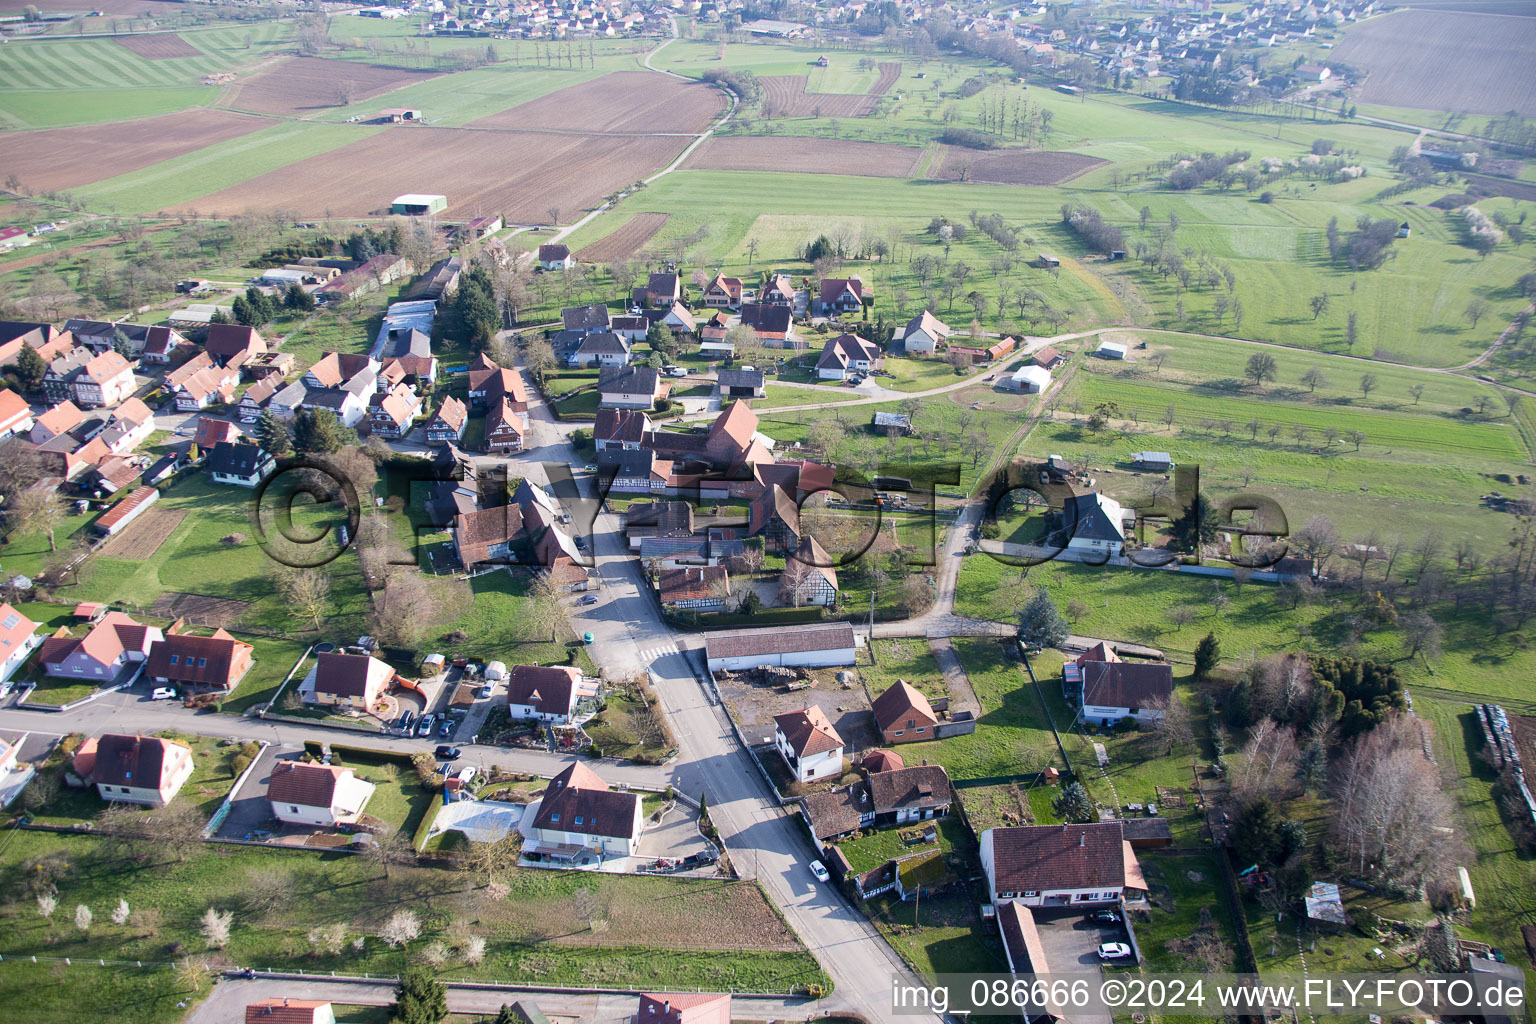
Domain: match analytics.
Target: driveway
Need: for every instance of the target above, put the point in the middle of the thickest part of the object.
(676, 836)
(248, 806)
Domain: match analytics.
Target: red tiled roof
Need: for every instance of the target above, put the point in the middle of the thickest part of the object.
(578, 801)
(547, 689)
(1031, 858)
(15, 630)
(694, 583)
(684, 1008)
(452, 413)
(139, 761)
(808, 731)
(284, 1011)
(117, 513)
(105, 367)
(308, 785)
(218, 660)
(899, 704)
(13, 408)
(883, 761)
(63, 417)
(113, 633)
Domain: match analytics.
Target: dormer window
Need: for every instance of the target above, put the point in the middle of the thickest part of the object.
(554, 818)
(173, 659)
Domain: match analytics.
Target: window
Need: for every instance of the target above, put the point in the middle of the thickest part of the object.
(554, 819)
(173, 659)
(922, 728)
(97, 670)
(1031, 892)
(292, 809)
(201, 662)
(898, 732)
(578, 819)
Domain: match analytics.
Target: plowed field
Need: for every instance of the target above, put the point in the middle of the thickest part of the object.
(302, 85)
(1015, 166)
(1444, 60)
(785, 95)
(158, 46)
(625, 101)
(516, 174)
(35, 157)
(626, 241)
(817, 156)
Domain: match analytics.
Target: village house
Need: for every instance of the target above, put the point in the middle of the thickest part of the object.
(620, 429)
(545, 694)
(1048, 358)
(15, 414)
(133, 340)
(579, 815)
(233, 345)
(200, 664)
(778, 290)
(775, 516)
(393, 414)
(601, 348)
(114, 641)
(242, 465)
(17, 334)
(106, 379)
(841, 295)
(633, 387)
(130, 424)
(18, 639)
(773, 323)
(808, 577)
(486, 535)
(660, 291)
(556, 257)
(683, 1008)
(1106, 690)
(206, 385)
(681, 321)
(211, 431)
(59, 420)
(924, 333)
(133, 769)
(693, 588)
(585, 319)
(59, 378)
(846, 355)
(283, 1010)
(447, 424)
(903, 715)
(1059, 865)
(1096, 522)
(503, 429)
(490, 383)
(809, 744)
(723, 292)
(320, 795)
(338, 679)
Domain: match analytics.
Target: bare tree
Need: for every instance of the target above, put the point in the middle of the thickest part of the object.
(215, 926)
(307, 591)
(401, 928)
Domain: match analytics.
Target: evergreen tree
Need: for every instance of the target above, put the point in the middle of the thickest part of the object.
(1207, 654)
(30, 368)
(661, 339)
(1040, 622)
(297, 298)
(1074, 804)
(244, 312)
(506, 1016)
(476, 308)
(419, 999)
(1256, 836)
(318, 430)
(219, 317)
(1196, 525)
(272, 434)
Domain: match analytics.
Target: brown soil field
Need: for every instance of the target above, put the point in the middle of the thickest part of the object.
(144, 535)
(1445, 60)
(516, 174)
(299, 85)
(109, 7)
(115, 148)
(199, 609)
(1015, 166)
(625, 101)
(989, 398)
(785, 95)
(158, 46)
(816, 156)
(626, 241)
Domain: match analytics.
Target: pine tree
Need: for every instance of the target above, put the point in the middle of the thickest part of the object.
(243, 312)
(272, 434)
(1040, 622)
(299, 299)
(420, 999)
(1196, 525)
(1207, 654)
(30, 368)
(317, 430)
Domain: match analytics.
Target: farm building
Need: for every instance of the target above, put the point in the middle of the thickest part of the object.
(1047, 261)
(1049, 358)
(1028, 379)
(893, 421)
(746, 382)
(126, 511)
(811, 646)
(399, 115)
(418, 204)
(1157, 461)
(1111, 350)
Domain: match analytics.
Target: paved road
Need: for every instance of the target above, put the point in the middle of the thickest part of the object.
(230, 997)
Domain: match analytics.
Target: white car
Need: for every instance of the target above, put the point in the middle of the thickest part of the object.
(1114, 951)
(820, 871)
(163, 693)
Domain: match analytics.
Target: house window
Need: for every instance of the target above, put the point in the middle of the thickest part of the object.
(201, 662)
(1031, 892)
(97, 670)
(173, 659)
(292, 809)
(554, 819)
(922, 728)
(898, 732)
(578, 819)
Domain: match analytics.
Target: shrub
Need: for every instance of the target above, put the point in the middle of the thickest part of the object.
(232, 539)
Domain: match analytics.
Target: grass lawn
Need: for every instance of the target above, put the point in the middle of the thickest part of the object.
(212, 778)
(942, 935)
(1185, 895)
(905, 658)
(918, 374)
(779, 397)
(628, 728)
(873, 849)
(529, 935)
(1012, 736)
(491, 615)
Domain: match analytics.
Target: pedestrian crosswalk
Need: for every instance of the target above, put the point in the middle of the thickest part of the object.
(652, 653)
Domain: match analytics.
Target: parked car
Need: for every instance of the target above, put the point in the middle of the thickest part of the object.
(820, 871)
(449, 753)
(425, 728)
(1107, 917)
(677, 371)
(1114, 951)
(589, 599)
(484, 691)
(449, 725)
(163, 693)
(407, 721)
(581, 544)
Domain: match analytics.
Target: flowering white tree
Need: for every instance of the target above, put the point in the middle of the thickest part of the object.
(83, 917)
(474, 949)
(120, 915)
(47, 903)
(402, 927)
(216, 927)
